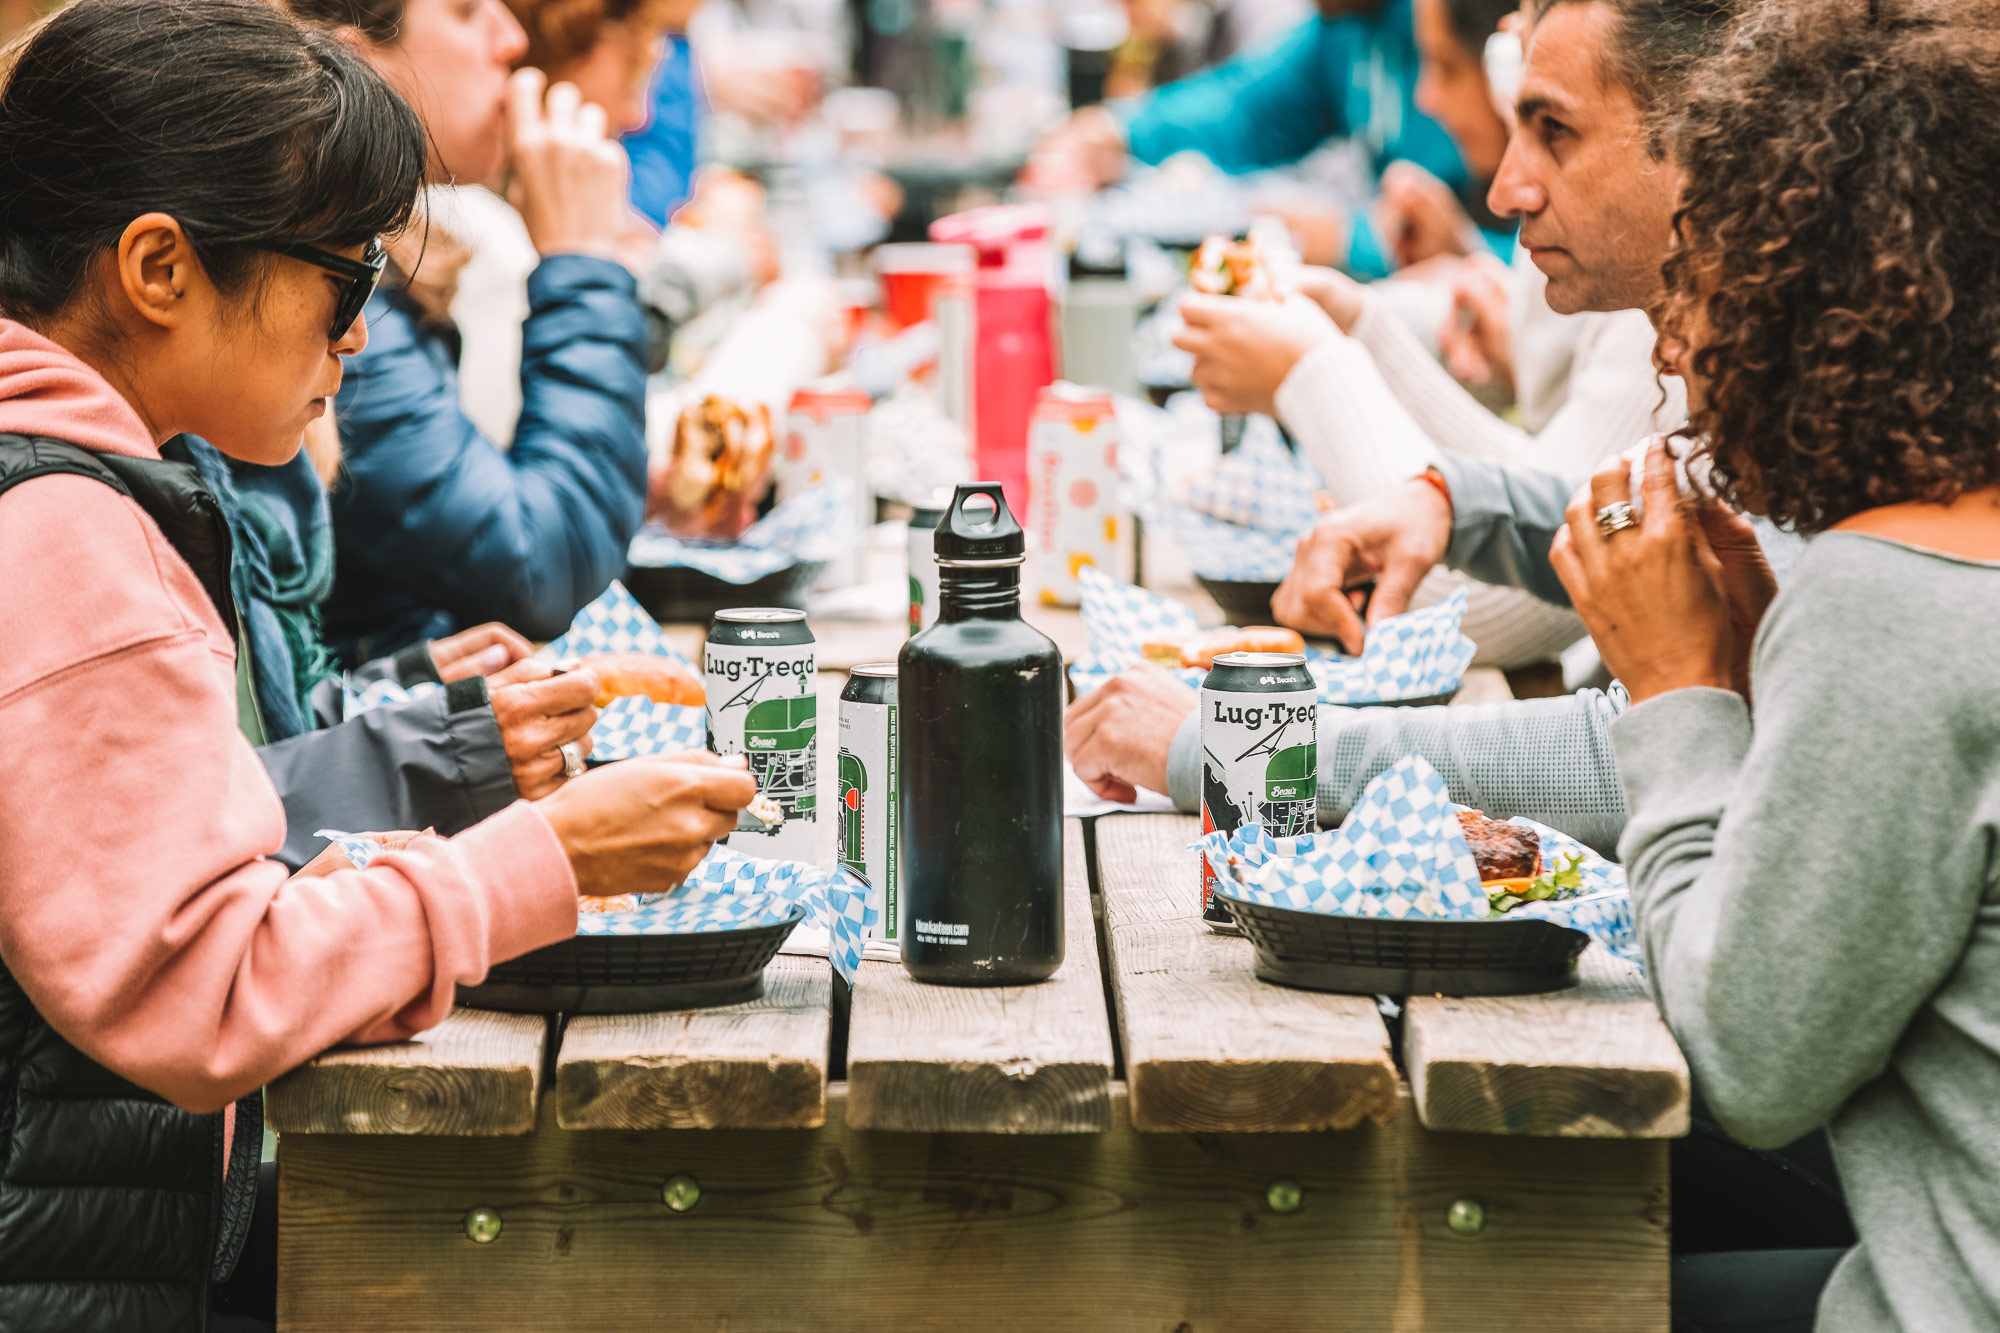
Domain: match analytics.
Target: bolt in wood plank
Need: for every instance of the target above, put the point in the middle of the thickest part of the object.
(836, 1229)
(757, 1065)
(997, 1060)
(476, 1073)
(1593, 1062)
(1208, 1047)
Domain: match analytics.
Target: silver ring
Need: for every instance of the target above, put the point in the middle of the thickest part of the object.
(1615, 518)
(572, 754)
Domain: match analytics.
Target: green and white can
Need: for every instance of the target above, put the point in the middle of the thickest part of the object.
(868, 786)
(1259, 752)
(759, 668)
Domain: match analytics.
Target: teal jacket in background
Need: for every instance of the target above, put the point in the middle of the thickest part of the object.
(1353, 77)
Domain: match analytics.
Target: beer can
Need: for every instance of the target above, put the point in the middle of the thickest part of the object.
(1073, 517)
(924, 520)
(759, 669)
(1259, 752)
(826, 442)
(868, 786)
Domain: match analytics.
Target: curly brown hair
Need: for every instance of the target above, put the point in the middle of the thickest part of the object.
(1836, 271)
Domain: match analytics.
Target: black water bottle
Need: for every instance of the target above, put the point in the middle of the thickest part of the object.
(979, 746)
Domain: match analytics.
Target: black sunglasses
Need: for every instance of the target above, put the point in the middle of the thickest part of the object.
(362, 274)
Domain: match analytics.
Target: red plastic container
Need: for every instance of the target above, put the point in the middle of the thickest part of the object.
(1015, 357)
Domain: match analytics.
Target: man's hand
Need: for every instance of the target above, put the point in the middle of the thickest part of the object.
(1117, 736)
(1391, 541)
(1243, 350)
(537, 717)
(479, 651)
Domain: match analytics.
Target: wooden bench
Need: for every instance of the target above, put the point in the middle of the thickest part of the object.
(1152, 1140)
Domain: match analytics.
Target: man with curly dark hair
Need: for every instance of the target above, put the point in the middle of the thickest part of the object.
(1816, 895)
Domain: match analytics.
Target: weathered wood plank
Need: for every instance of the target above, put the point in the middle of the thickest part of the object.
(835, 1229)
(1594, 1062)
(998, 1060)
(475, 1073)
(1208, 1047)
(759, 1065)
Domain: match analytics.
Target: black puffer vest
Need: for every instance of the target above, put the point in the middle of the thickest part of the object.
(114, 1212)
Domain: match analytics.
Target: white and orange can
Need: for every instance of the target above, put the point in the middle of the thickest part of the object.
(826, 438)
(1073, 511)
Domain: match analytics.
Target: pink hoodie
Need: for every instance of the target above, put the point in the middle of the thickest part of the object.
(137, 908)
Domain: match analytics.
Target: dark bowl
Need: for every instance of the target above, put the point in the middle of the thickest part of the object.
(1383, 956)
(635, 974)
(1241, 603)
(677, 593)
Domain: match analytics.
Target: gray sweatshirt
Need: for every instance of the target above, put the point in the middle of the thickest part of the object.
(1818, 905)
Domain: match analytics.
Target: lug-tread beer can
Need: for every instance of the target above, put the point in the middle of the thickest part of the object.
(1259, 752)
(868, 782)
(1073, 517)
(759, 669)
(826, 441)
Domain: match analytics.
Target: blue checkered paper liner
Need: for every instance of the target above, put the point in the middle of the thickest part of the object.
(1400, 854)
(1262, 485)
(727, 891)
(1417, 655)
(616, 623)
(815, 525)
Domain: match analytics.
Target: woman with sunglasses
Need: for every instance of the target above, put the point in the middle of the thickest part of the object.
(436, 527)
(164, 274)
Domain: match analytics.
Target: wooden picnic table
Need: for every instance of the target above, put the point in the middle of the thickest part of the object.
(1150, 1140)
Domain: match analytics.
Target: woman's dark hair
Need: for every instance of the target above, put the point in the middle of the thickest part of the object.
(1835, 271)
(1473, 21)
(227, 115)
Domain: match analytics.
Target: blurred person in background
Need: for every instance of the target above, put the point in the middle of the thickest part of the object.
(718, 245)
(1371, 407)
(436, 527)
(1349, 73)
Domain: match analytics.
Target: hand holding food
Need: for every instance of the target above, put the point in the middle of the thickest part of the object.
(1243, 350)
(1201, 650)
(1117, 737)
(539, 712)
(717, 470)
(1651, 593)
(332, 858)
(643, 825)
(1391, 541)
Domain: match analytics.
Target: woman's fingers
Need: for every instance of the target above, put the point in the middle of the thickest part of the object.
(1661, 488)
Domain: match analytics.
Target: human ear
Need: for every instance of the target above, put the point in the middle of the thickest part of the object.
(157, 269)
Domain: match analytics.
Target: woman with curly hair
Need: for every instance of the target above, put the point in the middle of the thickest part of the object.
(1816, 892)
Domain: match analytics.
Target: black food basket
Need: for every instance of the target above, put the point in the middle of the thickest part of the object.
(1383, 956)
(677, 593)
(635, 974)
